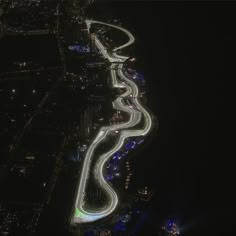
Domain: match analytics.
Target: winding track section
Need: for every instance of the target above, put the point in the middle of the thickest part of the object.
(135, 115)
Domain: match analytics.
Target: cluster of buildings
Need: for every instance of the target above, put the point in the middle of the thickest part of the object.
(20, 219)
(51, 95)
(51, 106)
(28, 16)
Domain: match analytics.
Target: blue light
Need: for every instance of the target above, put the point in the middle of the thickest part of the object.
(141, 77)
(109, 177)
(117, 155)
(170, 224)
(130, 145)
(138, 76)
(79, 48)
(120, 227)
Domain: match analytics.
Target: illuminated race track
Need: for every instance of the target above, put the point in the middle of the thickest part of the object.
(136, 112)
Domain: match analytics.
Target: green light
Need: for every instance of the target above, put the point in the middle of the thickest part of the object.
(79, 214)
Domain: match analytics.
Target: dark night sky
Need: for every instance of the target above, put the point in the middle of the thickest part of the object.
(186, 54)
(189, 67)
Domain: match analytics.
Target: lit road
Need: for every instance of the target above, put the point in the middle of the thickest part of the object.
(136, 113)
(131, 37)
